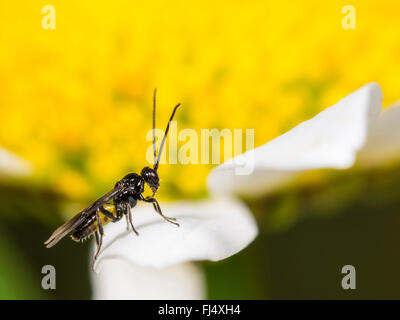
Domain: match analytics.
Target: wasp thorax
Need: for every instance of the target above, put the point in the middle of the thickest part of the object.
(131, 183)
(150, 176)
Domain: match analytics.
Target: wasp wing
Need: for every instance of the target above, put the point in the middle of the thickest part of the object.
(71, 224)
(62, 231)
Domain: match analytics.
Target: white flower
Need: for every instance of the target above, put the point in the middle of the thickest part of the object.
(348, 133)
(120, 279)
(10, 164)
(209, 230)
(383, 143)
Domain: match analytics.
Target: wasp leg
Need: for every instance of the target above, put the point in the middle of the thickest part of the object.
(125, 209)
(129, 217)
(108, 214)
(132, 204)
(157, 208)
(99, 238)
(127, 222)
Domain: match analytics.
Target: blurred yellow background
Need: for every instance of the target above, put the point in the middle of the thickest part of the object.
(76, 101)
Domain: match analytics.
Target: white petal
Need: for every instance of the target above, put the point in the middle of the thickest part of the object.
(10, 164)
(209, 230)
(329, 140)
(120, 279)
(383, 144)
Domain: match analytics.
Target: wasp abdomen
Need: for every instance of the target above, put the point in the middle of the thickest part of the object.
(90, 225)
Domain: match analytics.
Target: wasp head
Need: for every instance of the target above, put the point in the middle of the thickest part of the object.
(150, 176)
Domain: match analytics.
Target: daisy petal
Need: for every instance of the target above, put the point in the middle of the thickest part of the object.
(10, 164)
(329, 140)
(383, 145)
(209, 230)
(122, 280)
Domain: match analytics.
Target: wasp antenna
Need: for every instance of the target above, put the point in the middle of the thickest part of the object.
(154, 125)
(165, 137)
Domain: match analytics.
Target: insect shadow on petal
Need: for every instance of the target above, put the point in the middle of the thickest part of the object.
(118, 202)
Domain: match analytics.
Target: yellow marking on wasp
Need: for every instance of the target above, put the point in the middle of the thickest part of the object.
(104, 219)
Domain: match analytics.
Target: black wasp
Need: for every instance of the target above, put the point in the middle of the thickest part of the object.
(124, 197)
